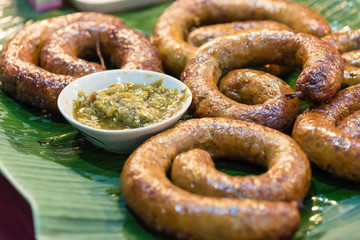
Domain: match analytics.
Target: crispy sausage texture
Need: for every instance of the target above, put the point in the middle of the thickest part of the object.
(21, 76)
(169, 209)
(323, 134)
(173, 25)
(320, 79)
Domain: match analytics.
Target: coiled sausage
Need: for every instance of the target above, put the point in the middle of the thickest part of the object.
(28, 83)
(177, 20)
(125, 48)
(323, 134)
(169, 209)
(320, 79)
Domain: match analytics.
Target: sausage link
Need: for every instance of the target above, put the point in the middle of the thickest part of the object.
(351, 76)
(257, 90)
(201, 35)
(195, 171)
(352, 58)
(320, 79)
(344, 41)
(126, 48)
(326, 145)
(348, 43)
(255, 87)
(23, 79)
(169, 209)
(180, 17)
(351, 125)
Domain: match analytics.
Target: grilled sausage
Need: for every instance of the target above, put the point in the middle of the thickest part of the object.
(256, 91)
(344, 41)
(348, 43)
(351, 76)
(195, 171)
(201, 35)
(320, 79)
(326, 141)
(126, 48)
(21, 76)
(351, 124)
(255, 87)
(352, 58)
(169, 209)
(177, 20)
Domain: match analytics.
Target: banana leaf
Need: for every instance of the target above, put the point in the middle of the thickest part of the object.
(73, 188)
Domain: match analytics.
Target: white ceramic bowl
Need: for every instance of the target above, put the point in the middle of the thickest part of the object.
(118, 141)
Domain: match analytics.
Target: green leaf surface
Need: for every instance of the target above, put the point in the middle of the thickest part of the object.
(73, 187)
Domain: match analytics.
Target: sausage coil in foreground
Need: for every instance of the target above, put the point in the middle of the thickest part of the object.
(180, 17)
(320, 79)
(31, 84)
(172, 210)
(329, 134)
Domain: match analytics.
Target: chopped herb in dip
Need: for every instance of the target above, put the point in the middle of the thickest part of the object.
(128, 105)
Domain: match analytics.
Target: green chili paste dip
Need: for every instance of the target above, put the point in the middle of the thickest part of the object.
(128, 105)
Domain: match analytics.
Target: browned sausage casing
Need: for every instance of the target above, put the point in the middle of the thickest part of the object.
(184, 215)
(201, 35)
(253, 87)
(21, 76)
(351, 124)
(177, 20)
(348, 44)
(120, 44)
(255, 90)
(328, 145)
(352, 58)
(321, 76)
(344, 41)
(351, 76)
(195, 171)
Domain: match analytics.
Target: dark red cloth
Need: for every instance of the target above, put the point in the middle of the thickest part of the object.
(16, 221)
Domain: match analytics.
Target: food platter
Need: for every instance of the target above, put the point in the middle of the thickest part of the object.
(74, 189)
